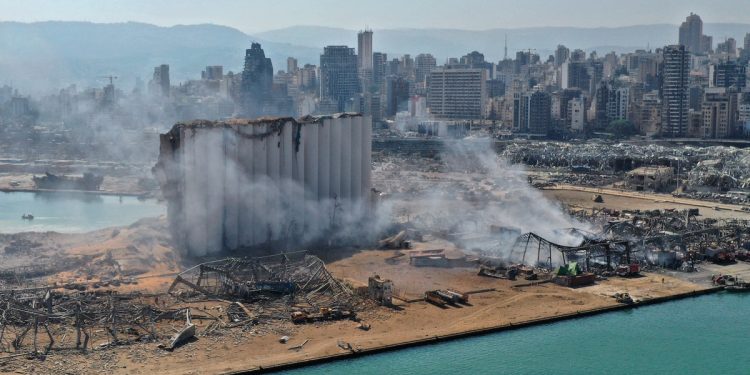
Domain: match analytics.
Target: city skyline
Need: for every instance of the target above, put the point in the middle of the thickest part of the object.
(388, 14)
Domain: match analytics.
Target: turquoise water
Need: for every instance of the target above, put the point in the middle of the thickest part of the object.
(71, 212)
(704, 335)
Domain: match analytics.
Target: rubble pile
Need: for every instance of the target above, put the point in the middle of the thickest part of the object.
(719, 167)
(601, 156)
(37, 320)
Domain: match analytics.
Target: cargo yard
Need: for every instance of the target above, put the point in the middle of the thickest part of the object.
(423, 247)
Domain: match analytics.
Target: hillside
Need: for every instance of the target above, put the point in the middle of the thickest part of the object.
(50, 55)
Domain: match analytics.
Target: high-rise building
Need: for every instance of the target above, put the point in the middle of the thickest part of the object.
(540, 111)
(647, 113)
(676, 67)
(596, 74)
(719, 113)
(424, 63)
(308, 77)
(457, 93)
(729, 47)
(160, 79)
(564, 97)
(562, 54)
(291, 65)
(610, 64)
(475, 60)
(612, 104)
(257, 82)
(213, 73)
(339, 78)
(691, 35)
(532, 113)
(379, 68)
(520, 112)
(495, 88)
(397, 95)
(364, 59)
(727, 74)
(695, 97)
(578, 55)
(406, 66)
(644, 67)
(575, 74)
(707, 43)
(745, 55)
(364, 50)
(743, 120)
(576, 116)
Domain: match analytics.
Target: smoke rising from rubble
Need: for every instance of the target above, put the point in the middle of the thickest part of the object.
(501, 206)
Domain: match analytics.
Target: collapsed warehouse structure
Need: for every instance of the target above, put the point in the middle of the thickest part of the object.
(237, 184)
(650, 239)
(291, 287)
(278, 286)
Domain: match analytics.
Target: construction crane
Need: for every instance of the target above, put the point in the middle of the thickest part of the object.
(111, 78)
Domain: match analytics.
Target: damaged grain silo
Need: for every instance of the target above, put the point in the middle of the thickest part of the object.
(239, 184)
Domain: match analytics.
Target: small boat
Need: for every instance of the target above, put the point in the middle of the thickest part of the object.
(27, 217)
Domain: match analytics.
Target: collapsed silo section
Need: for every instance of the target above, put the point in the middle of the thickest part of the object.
(239, 185)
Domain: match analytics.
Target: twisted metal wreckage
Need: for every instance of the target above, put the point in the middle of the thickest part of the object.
(654, 238)
(282, 282)
(34, 321)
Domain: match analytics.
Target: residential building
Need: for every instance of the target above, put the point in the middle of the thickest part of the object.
(339, 78)
(532, 113)
(457, 93)
(727, 74)
(719, 113)
(691, 35)
(562, 54)
(674, 94)
(424, 64)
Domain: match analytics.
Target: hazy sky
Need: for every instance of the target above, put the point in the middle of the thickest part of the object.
(261, 15)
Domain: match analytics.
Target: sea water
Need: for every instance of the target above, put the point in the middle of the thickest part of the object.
(702, 335)
(72, 212)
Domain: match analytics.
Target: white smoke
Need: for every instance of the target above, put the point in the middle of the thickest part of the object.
(493, 206)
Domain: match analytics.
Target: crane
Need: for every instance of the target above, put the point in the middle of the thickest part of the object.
(110, 77)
